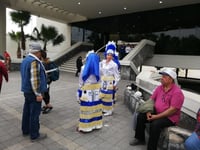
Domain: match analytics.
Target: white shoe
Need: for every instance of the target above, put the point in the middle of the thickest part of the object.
(99, 127)
(84, 130)
(109, 113)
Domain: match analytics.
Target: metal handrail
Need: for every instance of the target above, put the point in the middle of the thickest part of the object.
(100, 49)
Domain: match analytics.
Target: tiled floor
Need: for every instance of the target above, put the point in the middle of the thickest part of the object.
(60, 124)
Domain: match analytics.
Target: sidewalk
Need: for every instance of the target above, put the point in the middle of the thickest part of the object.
(60, 124)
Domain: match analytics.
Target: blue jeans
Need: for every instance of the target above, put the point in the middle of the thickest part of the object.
(30, 117)
(192, 142)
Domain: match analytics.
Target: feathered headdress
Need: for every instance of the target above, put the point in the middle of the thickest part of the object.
(110, 48)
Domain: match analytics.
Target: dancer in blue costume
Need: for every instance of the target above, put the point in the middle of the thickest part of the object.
(110, 76)
(89, 89)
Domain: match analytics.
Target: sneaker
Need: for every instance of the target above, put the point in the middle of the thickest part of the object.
(43, 108)
(135, 142)
(47, 110)
(41, 137)
(109, 113)
(99, 126)
(83, 130)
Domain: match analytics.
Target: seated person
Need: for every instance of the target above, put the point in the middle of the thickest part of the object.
(193, 141)
(168, 100)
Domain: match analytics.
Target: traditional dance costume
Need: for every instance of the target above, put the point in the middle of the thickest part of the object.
(90, 104)
(109, 78)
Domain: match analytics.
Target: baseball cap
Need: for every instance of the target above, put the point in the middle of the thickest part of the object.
(34, 47)
(168, 72)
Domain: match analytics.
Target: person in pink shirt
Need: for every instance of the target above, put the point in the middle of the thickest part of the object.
(168, 100)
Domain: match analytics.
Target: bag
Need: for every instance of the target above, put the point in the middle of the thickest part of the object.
(148, 106)
(54, 71)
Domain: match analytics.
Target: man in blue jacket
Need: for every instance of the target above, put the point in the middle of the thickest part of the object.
(33, 84)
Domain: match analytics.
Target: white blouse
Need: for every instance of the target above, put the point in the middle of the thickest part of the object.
(110, 69)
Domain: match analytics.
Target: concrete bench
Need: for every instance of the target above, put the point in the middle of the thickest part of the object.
(171, 138)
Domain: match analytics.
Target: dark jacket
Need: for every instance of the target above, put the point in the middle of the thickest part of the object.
(47, 65)
(79, 62)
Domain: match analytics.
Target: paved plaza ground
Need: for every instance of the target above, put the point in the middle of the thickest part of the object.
(60, 124)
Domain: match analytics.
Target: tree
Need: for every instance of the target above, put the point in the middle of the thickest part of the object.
(46, 35)
(16, 36)
(22, 18)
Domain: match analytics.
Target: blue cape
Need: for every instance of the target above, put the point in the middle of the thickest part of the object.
(91, 67)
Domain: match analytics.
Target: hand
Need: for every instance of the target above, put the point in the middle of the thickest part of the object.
(39, 98)
(152, 117)
(149, 116)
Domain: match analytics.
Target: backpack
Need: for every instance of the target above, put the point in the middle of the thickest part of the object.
(54, 74)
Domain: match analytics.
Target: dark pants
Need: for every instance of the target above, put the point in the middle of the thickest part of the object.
(46, 97)
(30, 117)
(156, 127)
(78, 71)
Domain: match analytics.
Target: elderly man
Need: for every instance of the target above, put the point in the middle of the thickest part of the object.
(168, 100)
(33, 84)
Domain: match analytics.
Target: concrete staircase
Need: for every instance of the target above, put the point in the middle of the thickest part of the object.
(70, 65)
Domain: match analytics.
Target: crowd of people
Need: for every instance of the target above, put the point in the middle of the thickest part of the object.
(97, 88)
(124, 50)
(96, 95)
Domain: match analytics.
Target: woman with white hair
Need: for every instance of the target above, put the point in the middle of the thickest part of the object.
(109, 78)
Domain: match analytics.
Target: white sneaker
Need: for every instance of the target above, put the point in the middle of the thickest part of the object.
(84, 130)
(99, 127)
(109, 113)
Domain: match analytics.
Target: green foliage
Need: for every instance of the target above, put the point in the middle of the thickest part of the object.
(22, 18)
(16, 36)
(46, 35)
(59, 39)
